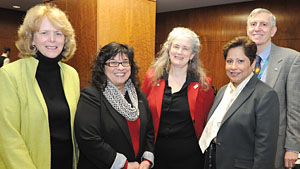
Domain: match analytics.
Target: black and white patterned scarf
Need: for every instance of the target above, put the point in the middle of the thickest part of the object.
(118, 101)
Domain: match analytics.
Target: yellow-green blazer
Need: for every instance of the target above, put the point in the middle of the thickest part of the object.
(24, 127)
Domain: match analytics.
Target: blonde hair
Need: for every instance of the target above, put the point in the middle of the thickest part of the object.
(162, 63)
(32, 22)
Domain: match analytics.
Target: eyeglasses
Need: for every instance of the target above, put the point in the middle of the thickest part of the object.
(116, 64)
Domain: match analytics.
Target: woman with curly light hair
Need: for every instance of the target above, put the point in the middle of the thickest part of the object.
(31, 25)
(180, 96)
(39, 94)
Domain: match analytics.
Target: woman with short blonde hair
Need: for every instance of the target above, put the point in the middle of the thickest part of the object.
(32, 23)
(39, 94)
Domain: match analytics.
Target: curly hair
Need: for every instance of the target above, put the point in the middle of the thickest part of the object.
(242, 41)
(162, 63)
(99, 78)
(32, 22)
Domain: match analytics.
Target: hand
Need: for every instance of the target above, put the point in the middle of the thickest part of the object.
(133, 165)
(290, 158)
(145, 165)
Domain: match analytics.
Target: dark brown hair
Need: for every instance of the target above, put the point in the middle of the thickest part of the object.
(99, 78)
(242, 41)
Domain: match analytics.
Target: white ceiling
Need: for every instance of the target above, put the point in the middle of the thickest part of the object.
(162, 5)
(24, 4)
(174, 5)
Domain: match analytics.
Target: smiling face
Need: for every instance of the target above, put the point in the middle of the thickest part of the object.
(238, 66)
(120, 74)
(181, 52)
(48, 40)
(260, 30)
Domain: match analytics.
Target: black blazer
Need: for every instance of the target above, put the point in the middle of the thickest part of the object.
(101, 131)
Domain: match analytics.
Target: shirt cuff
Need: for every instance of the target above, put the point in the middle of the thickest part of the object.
(119, 162)
(291, 150)
(149, 156)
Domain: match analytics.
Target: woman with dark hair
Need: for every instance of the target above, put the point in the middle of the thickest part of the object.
(243, 122)
(113, 123)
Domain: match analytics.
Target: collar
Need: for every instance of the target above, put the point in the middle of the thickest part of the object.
(42, 58)
(241, 86)
(190, 77)
(266, 52)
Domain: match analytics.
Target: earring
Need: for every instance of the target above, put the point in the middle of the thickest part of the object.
(33, 47)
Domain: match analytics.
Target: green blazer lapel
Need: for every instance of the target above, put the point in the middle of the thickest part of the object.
(245, 93)
(31, 67)
(274, 65)
(71, 87)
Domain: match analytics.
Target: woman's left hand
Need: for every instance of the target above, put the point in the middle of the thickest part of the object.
(290, 159)
(145, 165)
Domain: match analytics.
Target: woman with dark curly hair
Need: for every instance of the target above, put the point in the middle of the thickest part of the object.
(113, 124)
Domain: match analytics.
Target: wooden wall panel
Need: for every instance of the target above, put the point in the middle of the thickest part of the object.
(83, 17)
(9, 24)
(218, 24)
(126, 21)
(214, 62)
(131, 22)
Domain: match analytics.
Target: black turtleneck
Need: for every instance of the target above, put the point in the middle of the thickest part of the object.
(49, 80)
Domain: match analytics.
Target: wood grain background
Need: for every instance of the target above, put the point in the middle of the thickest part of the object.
(134, 22)
(218, 24)
(83, 17)
(131, 22)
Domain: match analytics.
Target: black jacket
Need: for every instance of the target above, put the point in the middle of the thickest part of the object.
(101, 132)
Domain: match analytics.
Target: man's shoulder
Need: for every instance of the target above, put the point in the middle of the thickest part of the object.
(285, 51)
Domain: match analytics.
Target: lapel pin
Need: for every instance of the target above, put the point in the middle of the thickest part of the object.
(257, 70)
(276, 69)
(195, 87)
(157, 84)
